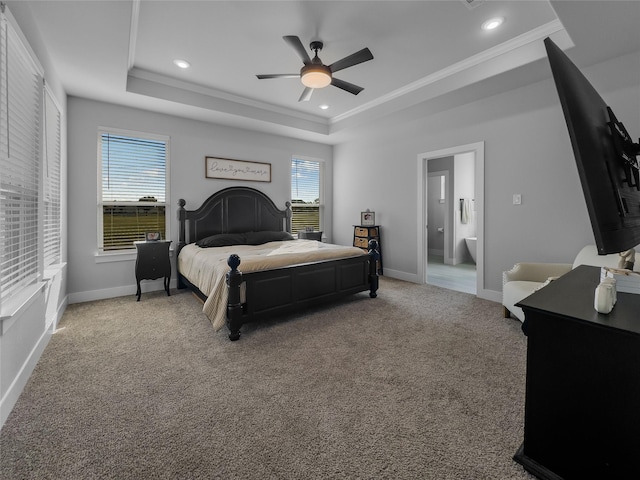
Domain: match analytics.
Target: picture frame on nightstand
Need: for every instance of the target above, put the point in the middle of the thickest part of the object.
(367, 218)
(152, 236)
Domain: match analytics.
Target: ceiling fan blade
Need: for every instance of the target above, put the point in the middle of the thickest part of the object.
(363, 55)
(296, 44)
(279, 75)
(346, 86)
(306, 94)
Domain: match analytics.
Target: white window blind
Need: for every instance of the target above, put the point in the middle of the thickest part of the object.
(51, 181)
(133, 185)
(20, 129)
(306, 196)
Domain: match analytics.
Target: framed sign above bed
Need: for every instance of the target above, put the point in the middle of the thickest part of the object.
(229, 169)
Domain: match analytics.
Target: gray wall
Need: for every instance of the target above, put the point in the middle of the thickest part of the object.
(190, 142)
(527, 151)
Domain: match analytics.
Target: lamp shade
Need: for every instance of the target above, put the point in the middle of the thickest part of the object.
(315, 76)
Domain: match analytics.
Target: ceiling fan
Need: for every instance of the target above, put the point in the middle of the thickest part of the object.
(315, 74)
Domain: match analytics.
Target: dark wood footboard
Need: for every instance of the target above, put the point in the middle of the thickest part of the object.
(286, 289)
(277, 291)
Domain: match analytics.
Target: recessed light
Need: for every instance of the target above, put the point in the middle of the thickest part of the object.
(493, 23)
(181, 63)
(324, 107)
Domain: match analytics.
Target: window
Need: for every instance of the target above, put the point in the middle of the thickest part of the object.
(20, 128)
(132, 188)
(51, 181)
(306, 194)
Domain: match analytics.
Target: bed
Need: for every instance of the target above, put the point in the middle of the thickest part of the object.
(253, 279)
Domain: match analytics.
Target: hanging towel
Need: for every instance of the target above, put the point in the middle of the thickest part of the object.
(466, 211)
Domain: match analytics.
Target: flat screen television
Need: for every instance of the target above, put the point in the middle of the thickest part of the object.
(606, 157)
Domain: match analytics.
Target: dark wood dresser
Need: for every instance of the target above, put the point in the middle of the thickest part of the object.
(582, 406)
(153, 262)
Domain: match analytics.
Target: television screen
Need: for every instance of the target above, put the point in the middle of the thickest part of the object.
(605, 155)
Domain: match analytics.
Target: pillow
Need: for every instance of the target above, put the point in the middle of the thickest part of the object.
(222, 240)
(258, 238)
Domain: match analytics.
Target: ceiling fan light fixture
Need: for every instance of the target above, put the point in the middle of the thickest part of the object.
(315, 76)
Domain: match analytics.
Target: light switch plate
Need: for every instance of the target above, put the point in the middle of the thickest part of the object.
(517, 199)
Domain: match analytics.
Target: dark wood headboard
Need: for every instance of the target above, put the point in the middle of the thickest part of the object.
(232, 210)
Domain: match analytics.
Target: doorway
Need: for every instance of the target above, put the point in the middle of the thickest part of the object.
(446, 267)
(462, 198)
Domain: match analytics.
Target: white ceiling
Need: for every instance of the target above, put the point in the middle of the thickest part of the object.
(123, 51)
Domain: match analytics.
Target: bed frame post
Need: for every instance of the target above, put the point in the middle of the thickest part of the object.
(234, 305)
(182, 216)
(374, 256)
(287, 216)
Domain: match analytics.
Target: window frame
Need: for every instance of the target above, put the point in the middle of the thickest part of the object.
(21, 291)
(321, 188)
(128, 253)
(52, 185)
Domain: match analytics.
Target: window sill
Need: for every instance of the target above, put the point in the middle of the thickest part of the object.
(17, 304)
(52, 270)
(121, 256)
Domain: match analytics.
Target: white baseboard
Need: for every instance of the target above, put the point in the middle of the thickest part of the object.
(126, 290)
(397, 274)
(490, 295)
(61, 308)
(15, 389)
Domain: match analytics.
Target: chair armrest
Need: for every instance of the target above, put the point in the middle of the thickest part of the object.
(535, 272)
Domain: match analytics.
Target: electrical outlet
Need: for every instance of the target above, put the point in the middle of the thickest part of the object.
(517, 199)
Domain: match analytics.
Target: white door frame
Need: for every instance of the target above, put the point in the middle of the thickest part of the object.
(478, 150)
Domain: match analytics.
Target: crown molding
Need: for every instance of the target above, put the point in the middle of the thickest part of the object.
(133, 33)
(145, 82)
(213, 93)
(515, 43)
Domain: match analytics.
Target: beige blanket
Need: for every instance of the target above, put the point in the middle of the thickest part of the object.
(206, 268)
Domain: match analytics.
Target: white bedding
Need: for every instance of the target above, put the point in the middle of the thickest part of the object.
(206, 268)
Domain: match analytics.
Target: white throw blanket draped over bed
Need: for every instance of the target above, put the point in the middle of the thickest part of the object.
(206, 268)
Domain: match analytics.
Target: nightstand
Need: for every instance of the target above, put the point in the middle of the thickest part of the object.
(361, 236)
(310, 235)
(153, 262)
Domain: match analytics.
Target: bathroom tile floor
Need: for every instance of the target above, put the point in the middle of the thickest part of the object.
(461, 277)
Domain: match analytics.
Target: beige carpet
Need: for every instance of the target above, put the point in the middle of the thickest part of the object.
(419, 383)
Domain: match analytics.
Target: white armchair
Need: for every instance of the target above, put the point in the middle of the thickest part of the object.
(525, 278)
